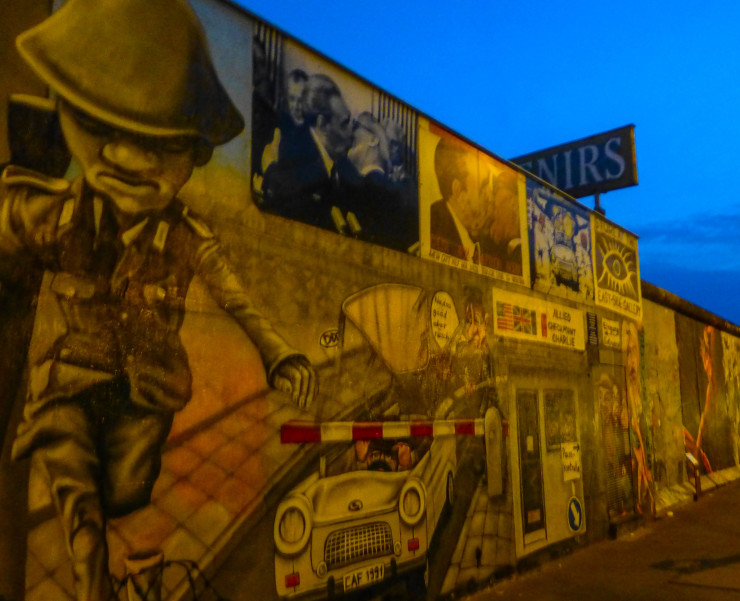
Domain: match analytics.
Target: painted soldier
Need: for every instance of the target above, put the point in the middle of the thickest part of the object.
(140, 106)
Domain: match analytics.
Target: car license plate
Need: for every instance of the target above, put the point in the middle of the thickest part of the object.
(363, 576)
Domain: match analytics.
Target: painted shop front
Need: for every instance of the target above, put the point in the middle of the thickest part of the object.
(269, 331)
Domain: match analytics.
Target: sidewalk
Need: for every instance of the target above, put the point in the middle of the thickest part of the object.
(485, 549)
(692, 553)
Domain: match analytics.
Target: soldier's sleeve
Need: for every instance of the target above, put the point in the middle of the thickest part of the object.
(228, 291)
(31, 205)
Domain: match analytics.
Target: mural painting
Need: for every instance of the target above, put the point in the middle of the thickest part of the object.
(388, 493)
(158, 380)
(472, 208)
(615, 428)
(118, 250)
(329, 150)
(225, 265)
(639, 413)
(731, 367)
(707, 418)
(627, 422)
(560, 249)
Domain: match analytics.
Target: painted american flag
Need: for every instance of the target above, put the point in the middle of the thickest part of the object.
(504, 316)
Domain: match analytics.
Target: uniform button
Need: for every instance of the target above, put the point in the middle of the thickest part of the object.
(124, 316)
(64, 353)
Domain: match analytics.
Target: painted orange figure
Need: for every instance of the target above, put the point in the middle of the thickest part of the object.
(631, 347)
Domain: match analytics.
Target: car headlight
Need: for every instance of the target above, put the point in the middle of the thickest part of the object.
(411, 503)
(292, 526)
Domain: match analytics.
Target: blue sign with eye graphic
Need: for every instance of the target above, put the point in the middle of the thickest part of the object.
(575, 514)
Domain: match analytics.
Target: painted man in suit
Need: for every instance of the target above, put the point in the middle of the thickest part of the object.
(459, 218)
(375, 201)
(308, 179)
(477, 218)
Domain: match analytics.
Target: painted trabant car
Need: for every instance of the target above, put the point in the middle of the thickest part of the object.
(338, 533)
(564, 266)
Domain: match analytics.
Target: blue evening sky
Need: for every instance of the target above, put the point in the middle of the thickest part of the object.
(516, 77)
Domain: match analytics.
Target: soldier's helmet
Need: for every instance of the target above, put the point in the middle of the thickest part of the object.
(139, 65)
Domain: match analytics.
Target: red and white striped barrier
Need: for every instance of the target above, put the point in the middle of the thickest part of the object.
(303, 431)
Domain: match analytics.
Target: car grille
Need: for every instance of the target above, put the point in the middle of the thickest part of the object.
(357, 543)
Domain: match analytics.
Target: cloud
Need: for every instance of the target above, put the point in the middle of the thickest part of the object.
(692, 241)
(694, 229)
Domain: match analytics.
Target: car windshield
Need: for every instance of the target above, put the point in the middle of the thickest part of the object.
(380, 455)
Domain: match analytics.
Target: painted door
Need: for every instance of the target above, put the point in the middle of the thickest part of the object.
(530, 461)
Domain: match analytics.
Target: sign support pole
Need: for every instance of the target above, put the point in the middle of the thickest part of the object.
(597, 203)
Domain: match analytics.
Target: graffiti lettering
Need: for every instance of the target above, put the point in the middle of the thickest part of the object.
(563, 339)
(330, 338)
(613, 231)
(615, 300)
(570, 454)
(560, 314)
(444, 318)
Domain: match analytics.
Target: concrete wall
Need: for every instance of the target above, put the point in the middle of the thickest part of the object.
(533, 322)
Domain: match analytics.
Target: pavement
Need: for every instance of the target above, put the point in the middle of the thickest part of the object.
(690, 552)
(485, 549)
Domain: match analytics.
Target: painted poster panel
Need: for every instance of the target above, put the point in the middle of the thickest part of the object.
(526, 318)
(616, 268)
(560, 418)
(708, 419)
(611, 333)
(329, 150)
(570, 454)
(472, 208)
(560, 247)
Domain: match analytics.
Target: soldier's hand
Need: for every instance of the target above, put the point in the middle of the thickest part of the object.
(296, 377)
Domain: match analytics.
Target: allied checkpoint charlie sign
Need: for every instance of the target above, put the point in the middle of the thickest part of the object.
(587, 166)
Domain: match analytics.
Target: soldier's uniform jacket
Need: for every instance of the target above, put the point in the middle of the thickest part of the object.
(112, 302)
